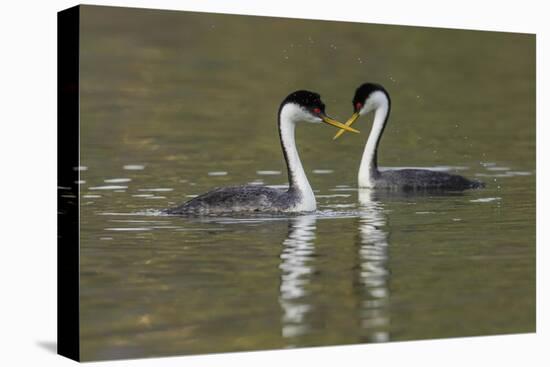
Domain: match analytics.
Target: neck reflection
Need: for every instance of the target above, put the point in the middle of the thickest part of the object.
(373, 270)
(296, 272)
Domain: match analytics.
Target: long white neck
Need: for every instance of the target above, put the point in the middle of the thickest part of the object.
(297, 178)
(368, 170)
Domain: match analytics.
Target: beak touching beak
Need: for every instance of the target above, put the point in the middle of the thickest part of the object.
(350, 122)
(330, 121)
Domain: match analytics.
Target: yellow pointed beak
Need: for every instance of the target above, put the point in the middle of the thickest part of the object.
(333, 122)
(350, 122)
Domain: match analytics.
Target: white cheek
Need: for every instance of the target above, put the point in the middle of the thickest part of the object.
(296, 113)
(367, 107)
(313, 119)
(375, 100)
(307, 117)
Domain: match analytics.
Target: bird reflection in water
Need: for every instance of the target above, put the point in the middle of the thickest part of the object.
(373, 273)
(296, 271)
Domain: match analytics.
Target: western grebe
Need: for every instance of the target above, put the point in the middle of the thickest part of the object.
(300, 106)
(373, 97)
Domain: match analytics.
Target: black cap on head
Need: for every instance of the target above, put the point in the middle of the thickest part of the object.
(308, 100)
(363, 92)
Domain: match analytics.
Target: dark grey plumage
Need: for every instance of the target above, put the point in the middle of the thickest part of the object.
(421, 179)
(245, 198)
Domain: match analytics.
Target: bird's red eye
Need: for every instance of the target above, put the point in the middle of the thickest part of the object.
(358, 105)
(317, 110)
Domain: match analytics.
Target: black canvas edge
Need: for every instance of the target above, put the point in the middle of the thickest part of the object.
(68, 205)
